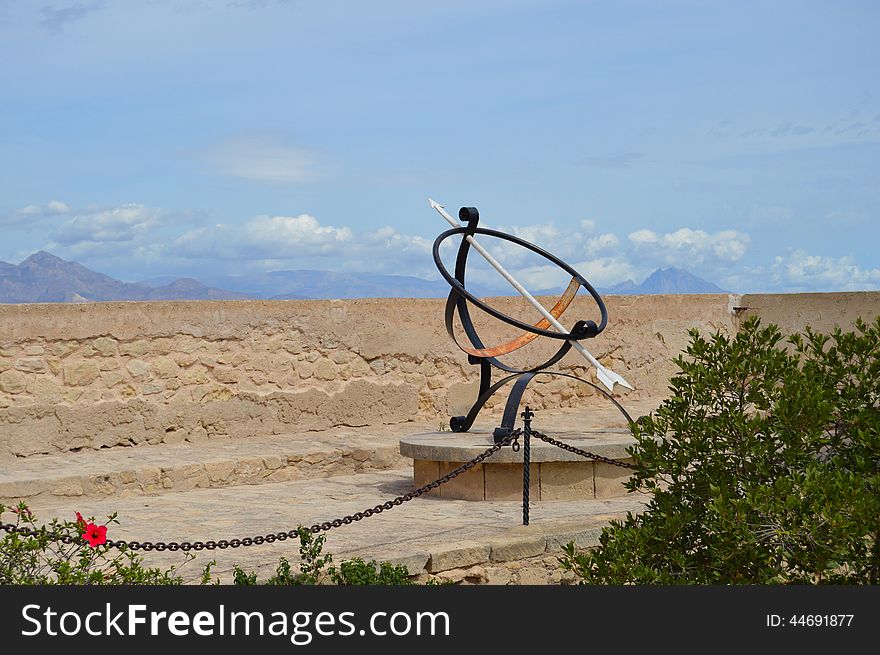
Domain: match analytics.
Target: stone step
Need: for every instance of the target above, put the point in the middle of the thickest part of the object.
(448, 539)
(223, 462)
(160, 469)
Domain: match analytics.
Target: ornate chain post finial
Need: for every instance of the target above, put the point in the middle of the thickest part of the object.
(527, 462)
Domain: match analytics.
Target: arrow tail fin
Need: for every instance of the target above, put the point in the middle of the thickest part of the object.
(610, 378)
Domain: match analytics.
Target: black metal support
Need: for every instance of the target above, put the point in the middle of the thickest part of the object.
(527, 462)
(487, 357)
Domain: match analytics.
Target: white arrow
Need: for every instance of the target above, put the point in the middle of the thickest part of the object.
(606, 376)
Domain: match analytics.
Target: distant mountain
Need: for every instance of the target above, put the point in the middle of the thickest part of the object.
(156, 282)
(43, 277)
(186, 288)
(665, 280)
(304, 284)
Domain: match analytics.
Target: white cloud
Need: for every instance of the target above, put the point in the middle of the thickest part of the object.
(730, 245)
(135, 234)
(535, 278)
(801, 271)
(640, 237)
(264, 237)
(686, 247)
(58, 207)
(595, 245)
(264, 156)
(392, 240)
(32, 214)
(116, 224)
(606, 271)
(601, 271)
(546, 235)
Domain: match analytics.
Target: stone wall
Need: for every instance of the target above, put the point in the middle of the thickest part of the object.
(106, 374)
(792, 312)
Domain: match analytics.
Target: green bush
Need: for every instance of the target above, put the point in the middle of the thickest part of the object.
(763, 465)
(314, 569)
(43, 559)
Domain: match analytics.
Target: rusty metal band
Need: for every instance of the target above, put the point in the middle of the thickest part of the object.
(526, 338)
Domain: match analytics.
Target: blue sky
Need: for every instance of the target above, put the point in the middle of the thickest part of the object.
(160, 137)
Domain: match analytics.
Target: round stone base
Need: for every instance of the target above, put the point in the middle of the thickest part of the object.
(555, 474)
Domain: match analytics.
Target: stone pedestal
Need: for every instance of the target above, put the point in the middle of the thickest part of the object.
(556, 474)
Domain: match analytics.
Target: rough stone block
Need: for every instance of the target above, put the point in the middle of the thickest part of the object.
(505, 482)
(361, 454)
(515, 548)
(151, 388)
(414, 563)
(31, 364)
(198, 375)
(226, 375)
(219, 471)
(470, 485)
(47, 389)
(12, 382)
(532, 575)
(585, 538)
(498, 575)
(325, 369)
(112, 378)
(185, 359)
(458, 555)
(567, 480)
(68, 487)
(610, 480)
(425, 471)
(165, 367)
(197, 434)
(105, 346)
(136, 348)
(138, 368)
(80, 373)
(62, 348)
(273, 462)
(360, 368)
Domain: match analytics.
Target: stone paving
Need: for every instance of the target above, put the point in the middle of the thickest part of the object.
(428, 535)
(412, 534)
(149, 470)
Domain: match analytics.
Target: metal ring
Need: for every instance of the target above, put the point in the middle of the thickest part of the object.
(459, 288)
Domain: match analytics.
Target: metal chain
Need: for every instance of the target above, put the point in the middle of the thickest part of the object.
(280, 536)
(582, 453)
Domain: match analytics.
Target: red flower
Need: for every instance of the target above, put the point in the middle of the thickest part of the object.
(95, 534)
(80, 521)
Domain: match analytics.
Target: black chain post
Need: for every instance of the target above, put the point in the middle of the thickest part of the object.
(527, 461)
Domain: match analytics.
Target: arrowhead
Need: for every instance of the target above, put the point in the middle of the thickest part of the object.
(434, 204)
